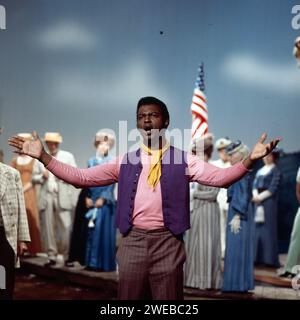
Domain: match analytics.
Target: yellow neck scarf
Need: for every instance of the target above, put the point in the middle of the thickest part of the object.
(155, 169)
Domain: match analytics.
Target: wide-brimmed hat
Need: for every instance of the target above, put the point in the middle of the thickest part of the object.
(53, 137)
(222, 143)
(103, 136)
(26, 136)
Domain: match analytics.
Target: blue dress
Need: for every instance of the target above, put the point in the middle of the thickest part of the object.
(266, 242)
(101, 237)
(238, 264)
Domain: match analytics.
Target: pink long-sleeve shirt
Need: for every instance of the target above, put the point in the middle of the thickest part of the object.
(147, 212)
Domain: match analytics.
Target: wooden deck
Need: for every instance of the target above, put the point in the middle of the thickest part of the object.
(268, 284)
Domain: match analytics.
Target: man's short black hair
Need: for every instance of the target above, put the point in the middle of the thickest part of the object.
(152, 100)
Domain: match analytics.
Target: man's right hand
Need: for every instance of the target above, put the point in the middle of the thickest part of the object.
(33, 148)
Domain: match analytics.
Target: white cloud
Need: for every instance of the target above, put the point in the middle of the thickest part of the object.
(126, 83)
(67, 35)
(265, 75)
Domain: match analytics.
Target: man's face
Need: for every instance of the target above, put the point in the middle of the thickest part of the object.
(52, 147)
(150, 121)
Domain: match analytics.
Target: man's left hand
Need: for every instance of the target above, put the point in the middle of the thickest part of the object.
(22, 248)
(260, 150)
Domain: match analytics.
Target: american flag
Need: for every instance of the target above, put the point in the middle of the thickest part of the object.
(199, 107)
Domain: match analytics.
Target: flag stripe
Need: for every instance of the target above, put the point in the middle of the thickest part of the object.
(199, 109)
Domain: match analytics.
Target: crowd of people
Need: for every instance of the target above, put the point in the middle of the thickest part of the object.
(239, 225)
(177, 221)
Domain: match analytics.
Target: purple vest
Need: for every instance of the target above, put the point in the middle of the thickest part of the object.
(174, 189)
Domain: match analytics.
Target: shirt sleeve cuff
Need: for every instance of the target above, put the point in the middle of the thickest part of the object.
(51, 164)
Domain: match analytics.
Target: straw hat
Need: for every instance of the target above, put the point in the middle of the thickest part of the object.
(26, 136)
(222, 143)
(53, 137)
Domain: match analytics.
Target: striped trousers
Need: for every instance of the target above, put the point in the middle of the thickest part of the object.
(151, 265)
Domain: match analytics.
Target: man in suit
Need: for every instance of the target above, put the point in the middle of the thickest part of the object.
(14, 232)
(56, 202)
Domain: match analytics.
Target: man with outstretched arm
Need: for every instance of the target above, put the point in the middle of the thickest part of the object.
(153, 199)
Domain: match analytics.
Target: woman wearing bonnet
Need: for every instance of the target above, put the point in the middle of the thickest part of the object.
(203, 242)
(265, 196)
(101, 235)
(238, 263)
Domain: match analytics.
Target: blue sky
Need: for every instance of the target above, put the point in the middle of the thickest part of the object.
(78, 66)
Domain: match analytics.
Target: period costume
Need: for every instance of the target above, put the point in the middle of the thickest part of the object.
(203, 243)
(79, 231)
(220, 144)
(13, 225)
(26, 168)
(56, 205)
(238, 262)
(152, 220)
(266, 187)
(101, 236)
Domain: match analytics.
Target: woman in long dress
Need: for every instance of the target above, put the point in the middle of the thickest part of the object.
(24, 164)
(238, 263)
(203, 242)
(101, 235)
(265, 196)
(79, 232)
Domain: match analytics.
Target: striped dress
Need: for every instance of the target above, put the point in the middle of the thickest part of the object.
(203, 243)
